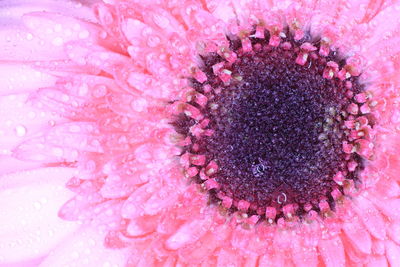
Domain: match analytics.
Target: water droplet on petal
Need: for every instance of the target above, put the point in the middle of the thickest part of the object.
(58, 41)
(65, 98)
(37, 205)
(57, 28)
(84, 34)
(58, 152)
(75, 255)
(74, 129)
(161, 21)
(20, 130)
(83, 89)
(153, 41)
(74, 153)
(76, 27)
(99, 91)
(139, 104)
(31, 115)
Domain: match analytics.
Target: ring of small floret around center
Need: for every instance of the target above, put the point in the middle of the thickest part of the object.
(275, 126)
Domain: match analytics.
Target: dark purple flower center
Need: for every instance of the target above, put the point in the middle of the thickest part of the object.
(278, 127)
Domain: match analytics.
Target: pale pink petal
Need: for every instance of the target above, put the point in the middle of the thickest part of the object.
(379, 261)
(55, 30)
(36, 149)
(18, 42)
(85, 248)
(29, 203)
(251, 260)
(384, 27)
(10, 164)
(188, 233)
(142, 226)
(223, 10)
(19, 78)
(378, 247)
(358, 235)
(389, 188)
(389, 207)
(332, 252)
(30, 48)
(394, 232)
(21, 121)
(371, 217)
(13, 10)
(269, 260)
(228, 258)
(304, 256)
(76, 135)
(393, 253)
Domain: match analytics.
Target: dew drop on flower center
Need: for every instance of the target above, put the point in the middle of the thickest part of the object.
(275, 125)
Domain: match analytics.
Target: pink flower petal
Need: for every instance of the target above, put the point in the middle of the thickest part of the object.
(85, 248)
(358, 235)
(11, 165)
(142, 226)
(16, 8)
(332, 252)
(394, 232)
(304, 255)
(22, 121)
(269, 260)
(18, 78)
(80, 207)
(222, 10)
(393, 253)
(38, 150)
(371, 217)
(188, 233)
(390, 208)
(385, 25)
(77, 135)
(54, 30)
(29, 203)
(18, 42)
(116, 187)
(126, 118)
(228, 257)
(379, 261)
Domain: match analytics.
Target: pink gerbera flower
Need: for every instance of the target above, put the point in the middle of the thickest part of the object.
(200, 133)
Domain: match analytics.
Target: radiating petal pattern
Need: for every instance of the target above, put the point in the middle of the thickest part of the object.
(92, 169)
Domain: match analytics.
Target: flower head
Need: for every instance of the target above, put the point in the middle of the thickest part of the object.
(150, 115)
